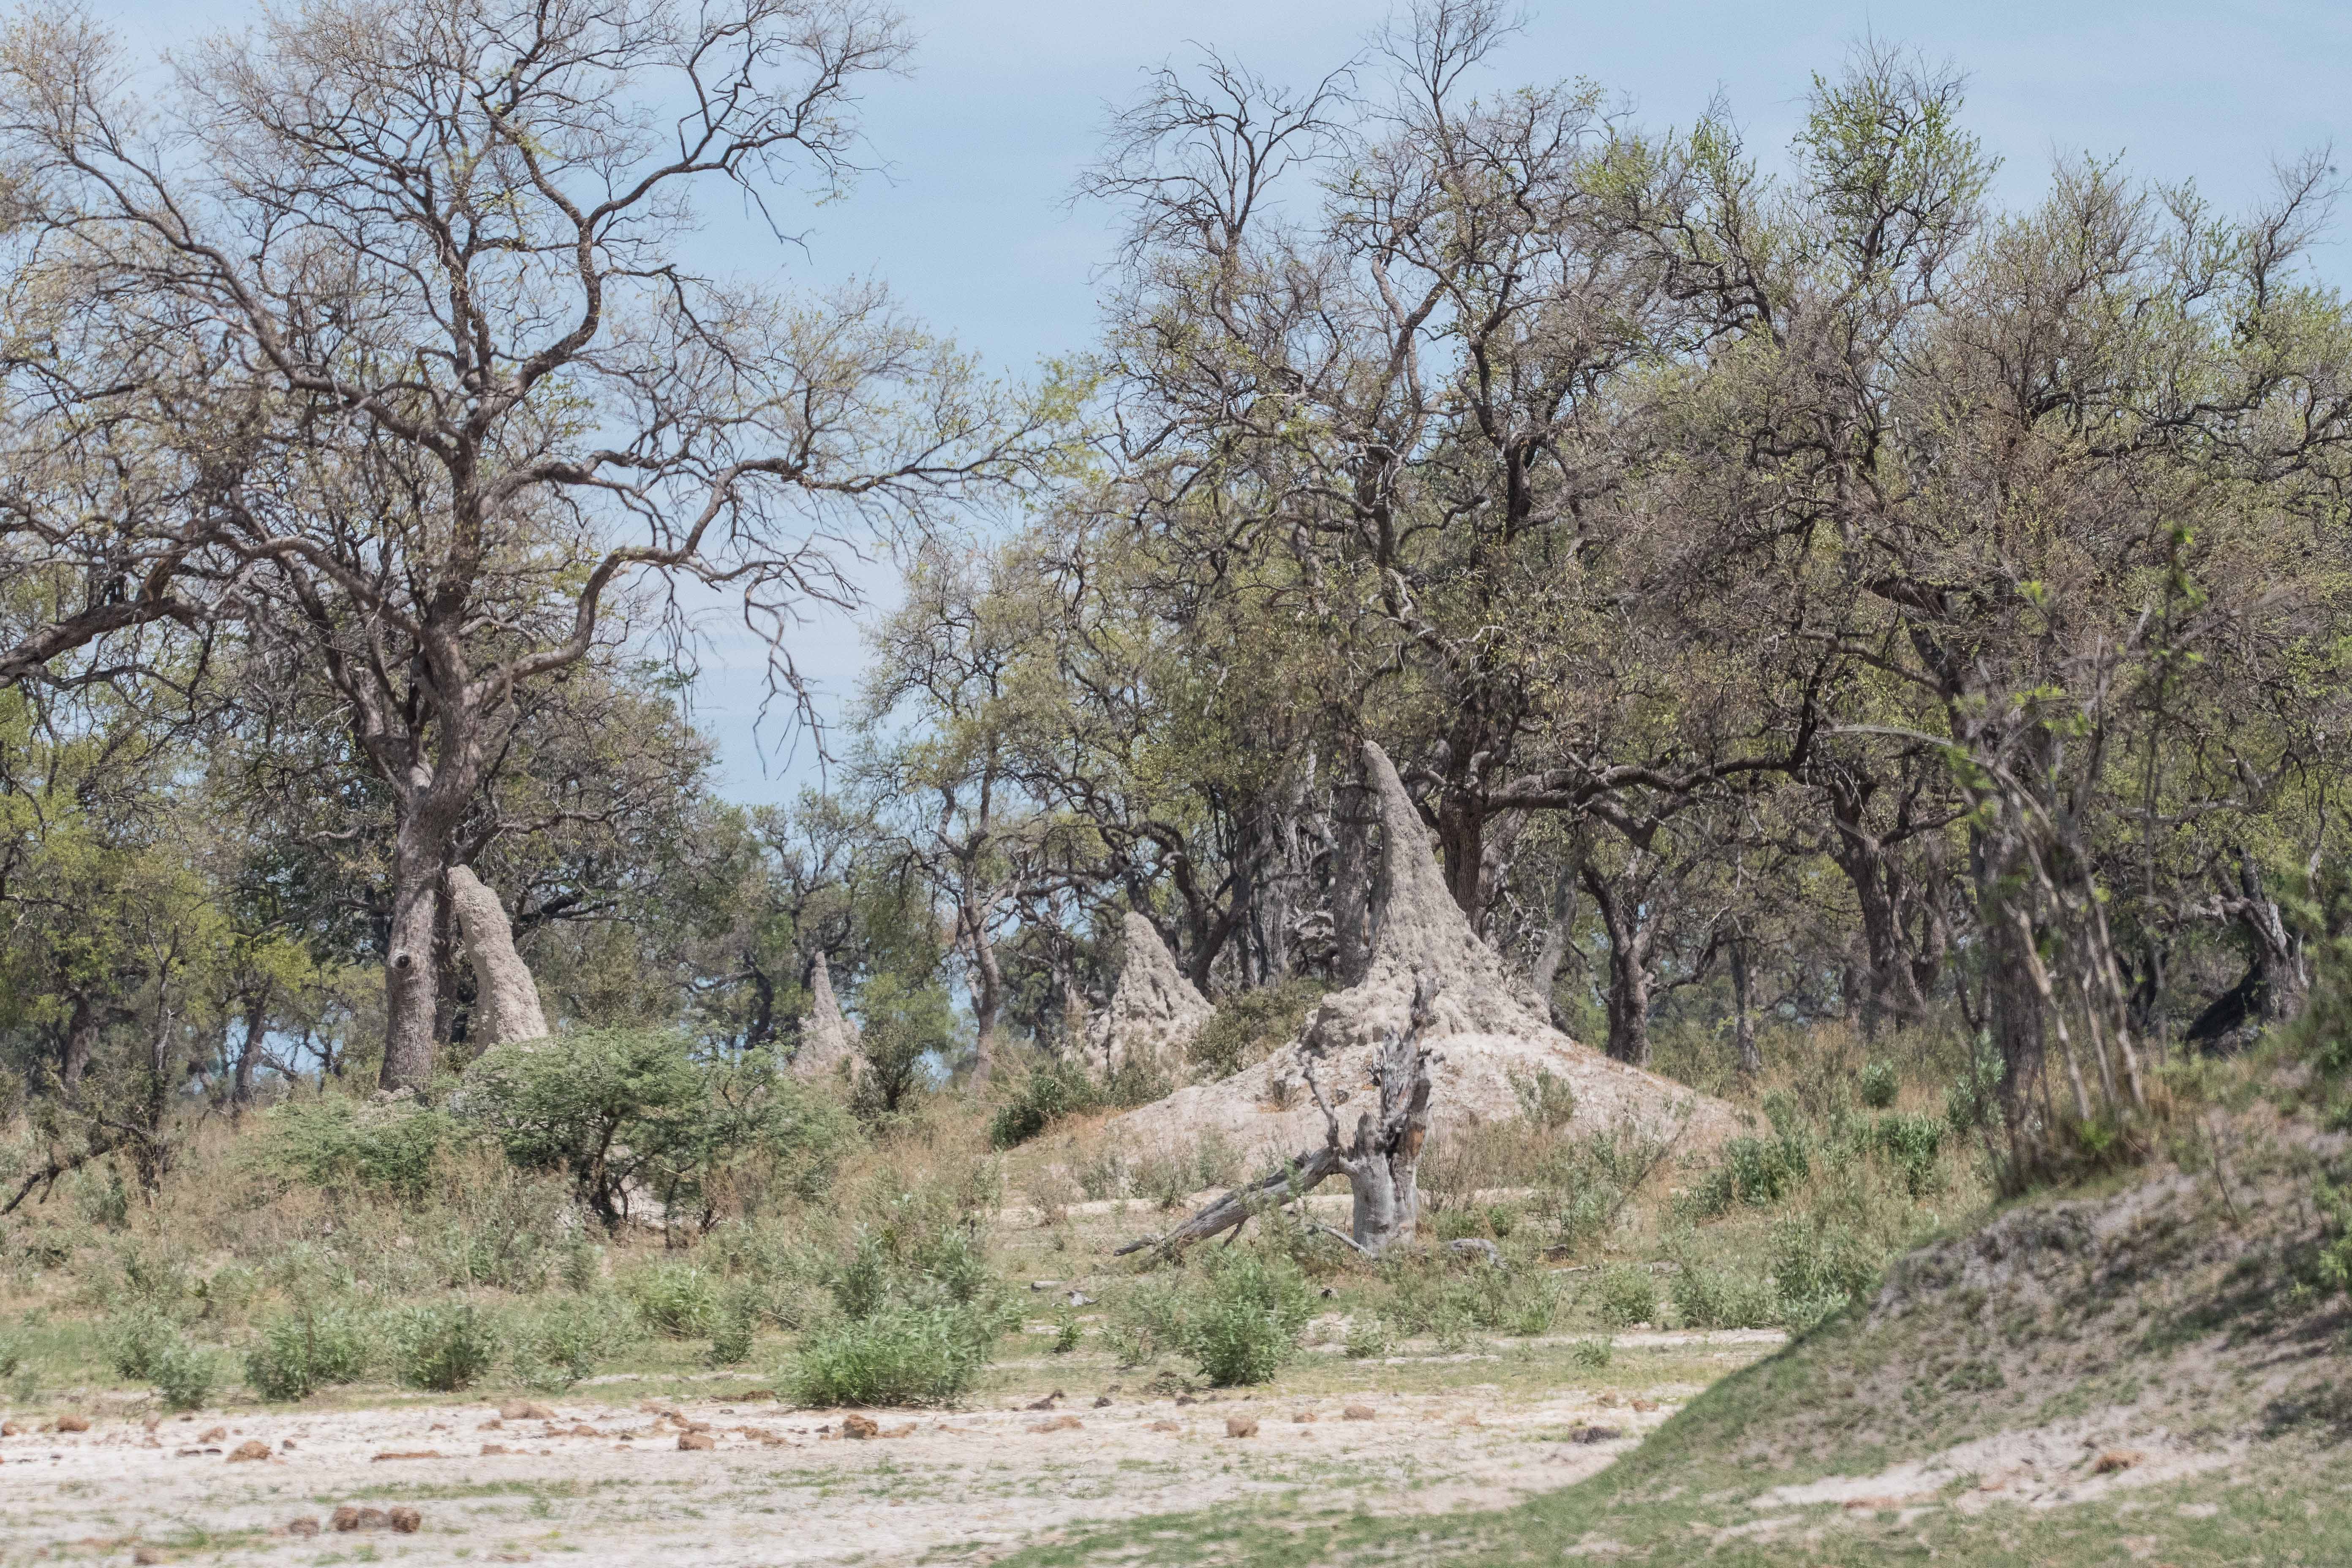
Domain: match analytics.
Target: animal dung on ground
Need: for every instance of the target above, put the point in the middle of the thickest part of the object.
(696, 1441)
(406, 1454)
(525, 1410)
(858, 1426)
(251, 1448)
(305, 1526)
(2115, 1459)
(1059, 1423)
(72, 1422)
(1360, 1413)
(1595, 1435)
(1241, 1426)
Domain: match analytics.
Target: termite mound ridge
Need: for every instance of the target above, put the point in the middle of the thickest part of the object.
(1492, 1048)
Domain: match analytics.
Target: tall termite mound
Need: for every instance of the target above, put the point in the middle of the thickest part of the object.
(1493, 1049)
(1420, 934)
(1154, 1010)
(827, 1038)
(506, 998)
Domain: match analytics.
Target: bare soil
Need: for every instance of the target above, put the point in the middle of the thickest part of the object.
(602, 1482)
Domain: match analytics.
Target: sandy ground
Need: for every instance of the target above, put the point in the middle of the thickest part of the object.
(599, 1484)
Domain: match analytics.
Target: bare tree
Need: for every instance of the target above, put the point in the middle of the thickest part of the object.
(444, 249)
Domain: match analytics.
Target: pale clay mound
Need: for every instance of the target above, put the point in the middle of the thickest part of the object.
(506, 1009)
(829, 1040)
(1488, 1038)
(1154, 1011)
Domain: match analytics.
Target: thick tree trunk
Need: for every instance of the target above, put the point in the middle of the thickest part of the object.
(411, 973)
(249, 1056)
(82, 1027)
(1559, 930)
(1743, 1028)
(2014, 1013)
(987, 1005)
(1628, 928)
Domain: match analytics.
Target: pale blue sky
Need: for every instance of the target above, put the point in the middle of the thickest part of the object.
(1007, 96)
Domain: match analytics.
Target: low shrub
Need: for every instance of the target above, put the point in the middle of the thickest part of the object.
(1914, 1144)
(1878, 1084)
(135, 1338)
(1244, 1319)
(1820, 1269)
(620, 1111)
(675, 1299)
(444, 1348)
(1624, 1295)
(1593, 1355)
(305, 1349)
(1758, 1172)
(344, 1145)
(1369, 1336)
(733, 1328)
(1249, 1026)
(1708, 1297)
(561, 1344)
(1545, 1099)
(898, 1356)
(183, 1375)
(1048, 1092)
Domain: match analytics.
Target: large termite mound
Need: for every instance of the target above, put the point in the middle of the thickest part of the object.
(1154, 1010)
(829, 1040)
(506, 998)
(1493, 1046)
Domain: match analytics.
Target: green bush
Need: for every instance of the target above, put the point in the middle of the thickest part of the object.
(732, 1329)
(135, 1338)
(344, 1144)
(1369, 1336)
(14, 1356)
(1758, 1172)
(1593, 1355)
(1913, 1144)
(1624, 1295)
(560, 1345)
(444, 1348)
(1544, 1099)
(909, 1027)
(1708, 1297)
(621, 1110)
(306, 1349)
(1047, 1092)
(1245, 1320)
(676, 1298)
(1249, 1026)
(183, 1375)
(1820, 1269)
(1878, 1084)
(899, 1356)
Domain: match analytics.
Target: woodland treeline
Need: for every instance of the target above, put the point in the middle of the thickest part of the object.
(1793, 584)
